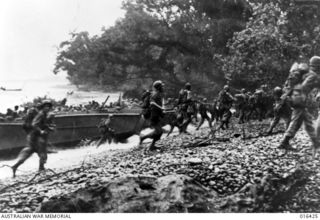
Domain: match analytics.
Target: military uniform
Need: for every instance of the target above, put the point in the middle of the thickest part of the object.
(281, 109)
(241, 100)
(156, 114)
(300, 113)
(225, 100)
(37, 140)
(27, 125)
(186, 107)
(203, 113)
(146, 104)
(259, 103)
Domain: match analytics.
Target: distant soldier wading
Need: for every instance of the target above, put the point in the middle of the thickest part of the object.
(300, 114)
(156, 114)
(37, 138)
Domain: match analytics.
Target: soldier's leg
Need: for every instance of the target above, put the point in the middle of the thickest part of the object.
(156, 136)
(222, 120)
(184, 117)
(310, 129)
(227, 118)
(260, 113)
(209, 120)
(186, 122)
(250, 112)
(201, 122)
(171, 129)
(317, 130)
(241, 115)
(174, 122)
(295, 124)
(105, 135)
(213, 116)
(274, 123)
(195, 114)
(42, 152)
(25, 153)
(287, 120)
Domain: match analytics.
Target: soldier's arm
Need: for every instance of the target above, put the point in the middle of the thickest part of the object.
(230, 96)
(294, 78)
(220, 96)
(36, 122)
(309, 84)
(189, 96)
(153, 101)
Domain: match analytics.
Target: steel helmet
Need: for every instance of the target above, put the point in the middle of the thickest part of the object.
(277, 89)
(188, 86)
(46, 102)
(315, 61)
(226, 87)
(157, 84)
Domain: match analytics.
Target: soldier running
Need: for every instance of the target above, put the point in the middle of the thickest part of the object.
(241, 105)
(37, 138)
(203, 113)
(156, 114)
(281, 109)
(185, 107)
(308, 80)
(225, 100)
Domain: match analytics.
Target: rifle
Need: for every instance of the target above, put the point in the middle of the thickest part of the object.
(105, 101)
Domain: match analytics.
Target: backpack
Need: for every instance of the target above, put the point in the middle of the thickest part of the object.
(27, 124)
(182, 96)
(146, 100)
(146, 112)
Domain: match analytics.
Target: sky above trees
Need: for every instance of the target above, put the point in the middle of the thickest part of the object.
(32, 29)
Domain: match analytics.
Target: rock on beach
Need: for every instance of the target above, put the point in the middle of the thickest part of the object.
(224, 176)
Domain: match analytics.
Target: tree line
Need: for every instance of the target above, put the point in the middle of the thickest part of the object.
(208, 43)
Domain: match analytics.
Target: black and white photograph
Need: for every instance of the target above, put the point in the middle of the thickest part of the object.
(159, 106)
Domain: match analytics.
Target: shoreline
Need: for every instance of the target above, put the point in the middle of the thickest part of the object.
(222, 167)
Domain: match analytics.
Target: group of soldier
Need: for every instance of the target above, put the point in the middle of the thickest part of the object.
(288, 103)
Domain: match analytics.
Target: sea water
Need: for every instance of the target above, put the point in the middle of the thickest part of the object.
(56, 88)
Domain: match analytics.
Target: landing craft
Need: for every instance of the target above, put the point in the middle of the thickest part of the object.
(70, 129)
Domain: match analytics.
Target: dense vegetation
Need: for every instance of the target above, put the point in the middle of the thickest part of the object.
(204, 42)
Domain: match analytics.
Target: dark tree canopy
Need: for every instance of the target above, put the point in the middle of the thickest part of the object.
(200, 41)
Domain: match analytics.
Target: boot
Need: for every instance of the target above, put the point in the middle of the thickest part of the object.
(314, 153)
(315, 150)
(141, 139)
(14, 168)
(269, 132)
(41, 167)
(152, 146)
(286, 145)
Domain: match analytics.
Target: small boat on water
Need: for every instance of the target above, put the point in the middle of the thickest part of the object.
(70, 129)
(10, 90)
